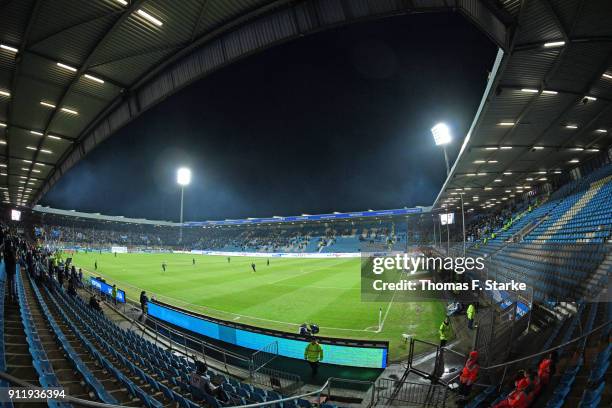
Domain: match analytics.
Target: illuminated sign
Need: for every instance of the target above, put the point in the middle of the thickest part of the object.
(374, 356)
(107, 289)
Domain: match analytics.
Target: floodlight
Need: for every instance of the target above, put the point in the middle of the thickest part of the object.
(441, 134)
(183, 176)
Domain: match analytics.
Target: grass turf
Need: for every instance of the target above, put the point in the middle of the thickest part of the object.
(280, 296)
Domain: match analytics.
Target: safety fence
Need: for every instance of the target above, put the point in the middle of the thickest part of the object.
(400, 393)
(263, 356)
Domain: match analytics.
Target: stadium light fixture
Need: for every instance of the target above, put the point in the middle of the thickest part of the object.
(506, 147)
(505, 124)
(554, 44)
(592, 150)
(2, 142)
(149, 17)
(9, 48)
(70, 111)
(47, 104)
(183, 178)
(607, 76)
(538, 147)
(46, 151)
(2, 124)
(54, 137)
(530, 90)
(548, 92)
(507, 173)
(574, 161)
(93, 78)
(5, 93)
(66, 67)
(36, 133)
(571, 126)
(122, 2)
(597, 130)
(497, 180)
(441, 134)
(590, 98)
(442, 137)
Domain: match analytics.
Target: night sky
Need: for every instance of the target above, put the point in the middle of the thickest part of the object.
(337, 121)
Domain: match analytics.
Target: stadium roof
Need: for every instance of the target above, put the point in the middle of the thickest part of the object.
(547, 107)
(304, 218)
(73, 72)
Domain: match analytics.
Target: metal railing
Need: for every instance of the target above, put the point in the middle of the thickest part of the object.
(405, 392)
(263, 356)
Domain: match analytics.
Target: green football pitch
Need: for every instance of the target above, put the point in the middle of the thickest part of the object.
(281, 296)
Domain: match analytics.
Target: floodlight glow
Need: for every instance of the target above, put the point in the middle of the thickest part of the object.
(597, 130)
(538, 147)
(570, 126)
(34, 132)
(183, 176)
(547, 92)
(66, 67)
(47, 104)
(2, 142)
(590, 98)
(149, 17)
(506, 123)
(2, 124)
(608, 76)
(122, 2)
(574, 161)
(46, 151)
(592, 150)
(54, 137)
(5, 93)
(441, 134)
(497, 180)
(506, 147)
(530, 90)
(491, 148)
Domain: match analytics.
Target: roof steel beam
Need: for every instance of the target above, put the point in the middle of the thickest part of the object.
(85, 66)
(18, 63)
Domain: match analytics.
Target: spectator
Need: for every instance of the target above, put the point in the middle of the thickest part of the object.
(313, 354)
(545, 369)
(94, 303)
(470, 313)
(469, 374)
(144, 300)
(114, 294)
(444, 331)
(10, 265)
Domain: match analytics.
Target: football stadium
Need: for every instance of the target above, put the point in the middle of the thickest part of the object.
(442, 170)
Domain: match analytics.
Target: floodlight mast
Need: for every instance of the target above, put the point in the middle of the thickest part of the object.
(183, 178)
(442, 137)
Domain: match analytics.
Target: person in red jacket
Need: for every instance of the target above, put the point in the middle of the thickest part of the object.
(469, 374)
(545, 369)
(518, 397)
